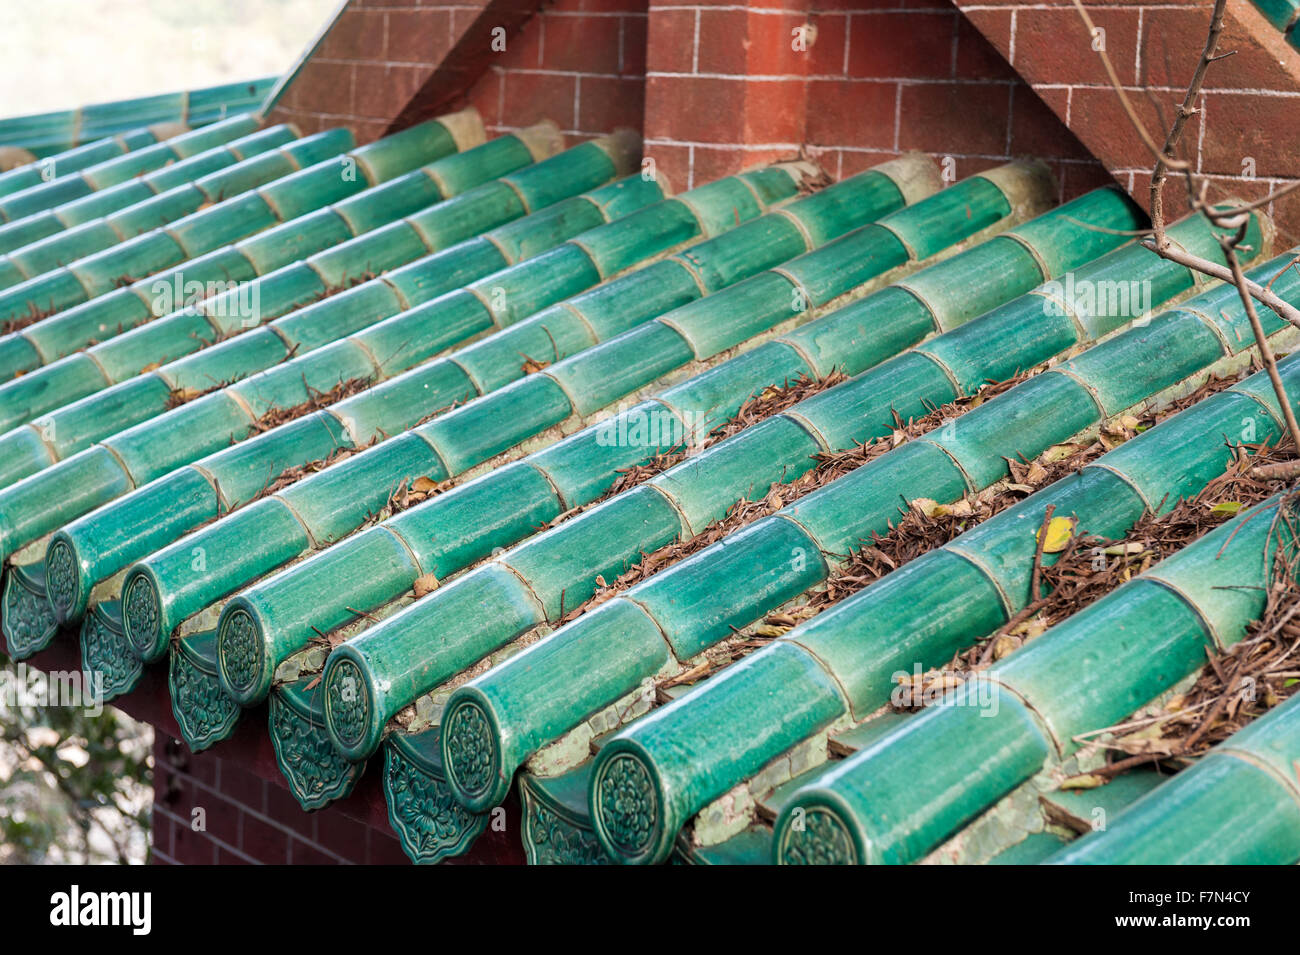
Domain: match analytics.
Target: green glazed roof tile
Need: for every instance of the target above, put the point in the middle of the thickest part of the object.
(431, 376)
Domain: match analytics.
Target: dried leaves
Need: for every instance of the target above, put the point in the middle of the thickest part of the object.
(34, 315)
(315, 401)
(351, 283)
(1251, 677)
(771, 401)
(827, 467)
(410, 493)
(295, 474)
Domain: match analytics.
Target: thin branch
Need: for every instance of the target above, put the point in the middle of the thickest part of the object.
(1229, 246)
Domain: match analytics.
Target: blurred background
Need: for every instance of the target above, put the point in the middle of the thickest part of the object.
(57, 54)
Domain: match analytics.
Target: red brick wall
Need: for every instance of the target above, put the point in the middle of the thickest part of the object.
(578, 62)
(1247, 110)
(372, 61)
(714, 86)
(249, 819)
(387, 63)
(725, 89)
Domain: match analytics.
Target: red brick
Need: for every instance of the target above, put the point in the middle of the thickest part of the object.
(827, 52)
(1240, 125)
(191, 848)
(634, 46)
(223, 857)
(966, 166)
(581, 44)
(523, 49)
(1078, 178)
(1286, 217)
(461, 19)
(324, 88)
(202, 766)
(304, 853)
(857, 5)
(983, 41)
(672, 165)
(699, 110)
(385, 850)
(1101, 123)
(913, 45)
(724, 42)
(356, 35)
(1220, 190)
(952, 118)
(1054, 46)
(241, 786)
(711, 164)
(368, 130)
(844, 113)
(307, 123)
(609, 6)
(421, 36)
(530, 97)
(774, 111)
(220, 818)
(1171, 45)
(160, 833)
(769, 44)
(670, 46)
(341, 834)
(485, 96)
(1172, 42)
(263, 842)
(1038, 128)
(714, 163)
(383, 91)
(284, 809)
(606, 103)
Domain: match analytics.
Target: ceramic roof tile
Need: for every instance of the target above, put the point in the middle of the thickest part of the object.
(115, 126)
(369, 432)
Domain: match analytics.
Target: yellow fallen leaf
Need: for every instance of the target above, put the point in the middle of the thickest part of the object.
(1033, 627)
(1128, 547)
(423, 485)
(1084, 781)
(924, 505)
(1059, 532)
(1227, 507)
(944, 682)
(1059, 452)
(427, 583)
(1004, 646)
(1124, 423)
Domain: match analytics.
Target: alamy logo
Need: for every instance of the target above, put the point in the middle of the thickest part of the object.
(24, 689)
(75, 908)
(241, 300)
(922, 688)
(652, 426)
(1101, 297)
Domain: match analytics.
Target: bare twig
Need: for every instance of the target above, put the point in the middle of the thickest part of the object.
(1232, 217)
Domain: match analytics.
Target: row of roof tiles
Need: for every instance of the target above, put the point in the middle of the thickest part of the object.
(352, 440)
(104, 129)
